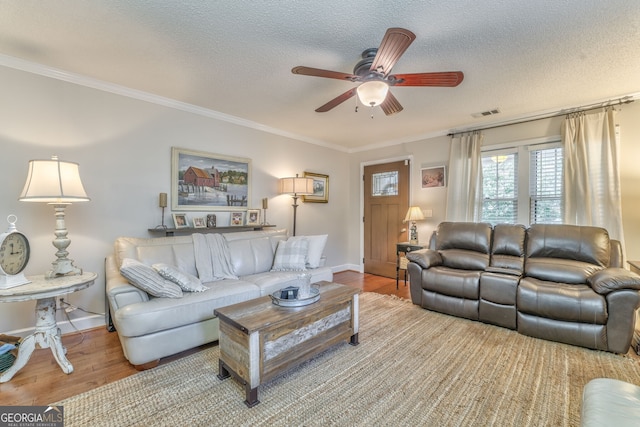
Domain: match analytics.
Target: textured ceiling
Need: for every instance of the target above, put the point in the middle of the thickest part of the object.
(235, 57)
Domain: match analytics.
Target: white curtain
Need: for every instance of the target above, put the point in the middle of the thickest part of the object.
(591, 170)
(464, 196)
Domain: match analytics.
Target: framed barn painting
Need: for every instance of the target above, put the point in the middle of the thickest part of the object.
(203, 181)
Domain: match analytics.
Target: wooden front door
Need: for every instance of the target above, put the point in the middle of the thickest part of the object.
(386, 200)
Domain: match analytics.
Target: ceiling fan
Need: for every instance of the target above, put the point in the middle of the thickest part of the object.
(373, 73)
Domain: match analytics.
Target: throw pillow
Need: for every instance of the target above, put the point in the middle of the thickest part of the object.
(146, 278)
(186, 281)
(291, 255)
(316, 248)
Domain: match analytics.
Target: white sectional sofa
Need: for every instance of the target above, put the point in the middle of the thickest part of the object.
(151, 327)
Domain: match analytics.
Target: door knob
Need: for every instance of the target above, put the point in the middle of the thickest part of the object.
(403, 230)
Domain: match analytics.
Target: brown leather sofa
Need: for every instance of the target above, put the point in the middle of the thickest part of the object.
(562, 283)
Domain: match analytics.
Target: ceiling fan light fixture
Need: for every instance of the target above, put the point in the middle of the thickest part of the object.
(373, 93)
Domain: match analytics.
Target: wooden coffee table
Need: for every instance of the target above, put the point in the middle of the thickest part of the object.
(259, 340)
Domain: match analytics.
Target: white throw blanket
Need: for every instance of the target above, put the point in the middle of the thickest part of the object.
(213, 260)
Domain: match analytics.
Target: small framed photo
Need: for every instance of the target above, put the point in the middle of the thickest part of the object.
(180, 220)
(199, 222)
(433, 177)
(211, 221)
(253, 217)
(236, 219)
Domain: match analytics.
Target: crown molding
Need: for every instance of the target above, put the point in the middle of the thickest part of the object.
(81, 80)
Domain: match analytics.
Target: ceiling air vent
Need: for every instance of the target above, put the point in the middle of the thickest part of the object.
(487, 113)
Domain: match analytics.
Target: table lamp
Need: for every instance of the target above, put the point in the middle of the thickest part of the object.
(413, 214)
(57, 183)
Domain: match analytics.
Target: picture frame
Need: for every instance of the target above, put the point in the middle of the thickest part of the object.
(433, 177)
(253, 217)
(180, 220)
(200, 222)
(236, 219)
(202, 181)
(320, 188)
(211, 221)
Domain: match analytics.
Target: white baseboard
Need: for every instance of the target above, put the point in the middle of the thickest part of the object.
(345, 267)
(80, 323)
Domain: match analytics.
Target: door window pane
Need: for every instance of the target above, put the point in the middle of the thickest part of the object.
(384, 184)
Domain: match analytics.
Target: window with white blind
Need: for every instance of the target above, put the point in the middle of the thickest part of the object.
(545, 185)
(522, 184)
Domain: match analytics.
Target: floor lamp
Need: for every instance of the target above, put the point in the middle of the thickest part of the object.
(56, 183)
(296, 187)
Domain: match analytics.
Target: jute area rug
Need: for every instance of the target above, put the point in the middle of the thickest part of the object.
(412, 367)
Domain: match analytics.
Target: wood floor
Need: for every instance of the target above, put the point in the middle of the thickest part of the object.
(97, 357)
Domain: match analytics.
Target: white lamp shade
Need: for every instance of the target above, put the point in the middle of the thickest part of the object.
(373, 93)
(296, 185)
(53, 181)
(414, 214)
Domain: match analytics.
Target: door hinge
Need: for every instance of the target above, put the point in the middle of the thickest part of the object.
(363, 260)
(362, 219)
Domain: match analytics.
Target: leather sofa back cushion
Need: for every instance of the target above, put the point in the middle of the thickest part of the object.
(251, 256)
(176, 251)
(464, 245)
(581, 243)
(507, 249)
(472, 236)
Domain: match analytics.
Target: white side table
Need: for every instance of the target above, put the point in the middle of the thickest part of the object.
(47, 333)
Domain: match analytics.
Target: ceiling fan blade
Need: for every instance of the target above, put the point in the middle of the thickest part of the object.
(336, 101)
(317, 72)
(447, 78)
(391, 105)
(393, 45)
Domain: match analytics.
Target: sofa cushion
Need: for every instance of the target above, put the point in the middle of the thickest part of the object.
(561, 301)
(464, 245)
(580, 243)
(291, 255)
(452, 282)
(146, 278)
(560, 270)
(186, 281)
(160, 314)
(250, 256)
(507, 249)
(177, 251)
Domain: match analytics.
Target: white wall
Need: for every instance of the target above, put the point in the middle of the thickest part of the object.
(435, 151)
(123, 146)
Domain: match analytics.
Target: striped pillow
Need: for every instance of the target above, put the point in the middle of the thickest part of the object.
(146, 278)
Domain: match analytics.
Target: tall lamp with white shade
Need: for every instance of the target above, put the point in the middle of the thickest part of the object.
(296, 186)
(413, 214)
(57, 183)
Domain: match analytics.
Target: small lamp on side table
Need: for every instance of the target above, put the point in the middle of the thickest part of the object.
(413, 214)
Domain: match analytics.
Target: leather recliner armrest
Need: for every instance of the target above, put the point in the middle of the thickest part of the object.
(613, 279)
(425, 258)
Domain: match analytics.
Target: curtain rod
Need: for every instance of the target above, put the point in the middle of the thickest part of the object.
(619, 101)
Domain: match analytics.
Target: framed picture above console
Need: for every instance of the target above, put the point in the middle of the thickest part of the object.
(320, 188)
(202, 181)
